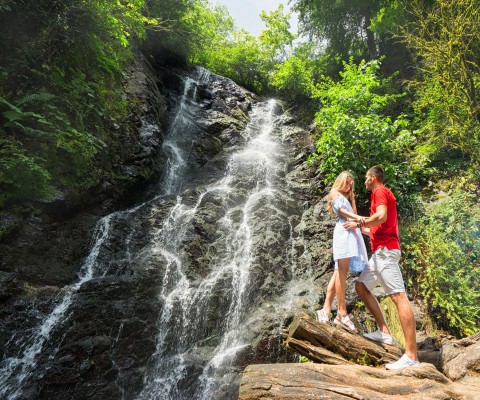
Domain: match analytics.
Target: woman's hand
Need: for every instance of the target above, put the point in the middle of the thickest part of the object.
(350, 224)
(356, 221)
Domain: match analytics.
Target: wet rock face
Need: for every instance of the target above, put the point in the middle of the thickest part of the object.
(104, 350)
(107, 344)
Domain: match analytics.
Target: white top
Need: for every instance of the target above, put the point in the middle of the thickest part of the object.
(347, 243)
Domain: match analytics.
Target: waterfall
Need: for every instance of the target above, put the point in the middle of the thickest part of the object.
(181, 323)
(174, 144)
(16, 371)
(209, 280)
(184, 303)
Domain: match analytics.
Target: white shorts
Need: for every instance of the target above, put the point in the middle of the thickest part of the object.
(383, 269)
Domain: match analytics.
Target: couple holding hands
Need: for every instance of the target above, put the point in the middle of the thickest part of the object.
(349, 253)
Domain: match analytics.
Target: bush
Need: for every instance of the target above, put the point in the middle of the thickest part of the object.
(442, 253)
(60, 91)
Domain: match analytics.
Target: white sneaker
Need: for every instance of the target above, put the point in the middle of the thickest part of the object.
(379, 336)
(404, 362)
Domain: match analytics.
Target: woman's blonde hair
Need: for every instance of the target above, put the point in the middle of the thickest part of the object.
(339, 183)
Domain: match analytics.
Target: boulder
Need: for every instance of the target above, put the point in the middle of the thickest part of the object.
(319, 381)
(461, 357)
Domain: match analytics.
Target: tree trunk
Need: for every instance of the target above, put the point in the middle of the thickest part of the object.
(319, 342)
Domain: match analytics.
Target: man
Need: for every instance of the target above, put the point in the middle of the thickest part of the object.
(383, 268)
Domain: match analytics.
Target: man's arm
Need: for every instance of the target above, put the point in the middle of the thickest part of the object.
(378, 218)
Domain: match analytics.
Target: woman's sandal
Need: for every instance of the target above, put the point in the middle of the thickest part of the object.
(345, 322)
(322, 316)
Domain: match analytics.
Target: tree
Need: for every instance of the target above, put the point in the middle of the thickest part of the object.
(446, 42)
(342, 25)
(276, 38)
(294, 77)
(59, 65)
(211, 28)
(236, 54)
(362, 29)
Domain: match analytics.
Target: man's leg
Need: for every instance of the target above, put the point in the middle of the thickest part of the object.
(372, 305)
(407, 319)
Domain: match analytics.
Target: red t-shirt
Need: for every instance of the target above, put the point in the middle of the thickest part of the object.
(386, 234)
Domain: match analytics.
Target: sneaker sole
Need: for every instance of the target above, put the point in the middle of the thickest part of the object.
(387, 341)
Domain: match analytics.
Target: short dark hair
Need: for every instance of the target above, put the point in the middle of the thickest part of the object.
(377, 171)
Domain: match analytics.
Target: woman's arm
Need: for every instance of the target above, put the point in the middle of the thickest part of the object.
(352, 200)
(378, 218)
(348, 214)
(344, 213)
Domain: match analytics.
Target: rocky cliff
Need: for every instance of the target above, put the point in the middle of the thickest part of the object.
(167, 286)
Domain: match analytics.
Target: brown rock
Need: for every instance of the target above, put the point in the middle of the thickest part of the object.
(461, 357)
(319, 381)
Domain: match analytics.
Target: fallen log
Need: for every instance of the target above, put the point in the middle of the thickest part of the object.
(316, 353)
(336, 345)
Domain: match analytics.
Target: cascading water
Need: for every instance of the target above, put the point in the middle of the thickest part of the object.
(176, 145)
(181, 322)
(213, 245)
(16, 371)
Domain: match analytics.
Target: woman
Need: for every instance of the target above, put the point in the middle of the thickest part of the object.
(349, 250)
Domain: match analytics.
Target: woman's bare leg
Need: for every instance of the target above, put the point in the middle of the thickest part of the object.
(341, 285)
(330, 295)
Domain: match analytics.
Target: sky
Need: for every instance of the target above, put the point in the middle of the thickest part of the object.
(246, 13)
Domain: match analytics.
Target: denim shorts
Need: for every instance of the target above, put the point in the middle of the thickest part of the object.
(383, 269)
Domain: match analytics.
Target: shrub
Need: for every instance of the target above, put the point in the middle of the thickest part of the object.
(442, 253)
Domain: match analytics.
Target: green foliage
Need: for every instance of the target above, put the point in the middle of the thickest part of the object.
(211, 27)
(293, 77)
(22, 177)
(442, 254)
(342, 27)
(60, 91)
(445, 38)
(173, 38)
(276, 38)
(390, 313)
(248, 60)
(239, 60)
(389, 18)
(355, 134)
(365, 359)
(46, 145)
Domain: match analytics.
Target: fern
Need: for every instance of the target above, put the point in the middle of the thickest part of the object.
(22, 176)
(35, 97)
(15, 114)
